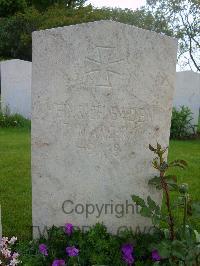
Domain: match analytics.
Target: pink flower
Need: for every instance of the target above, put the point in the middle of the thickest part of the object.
(12, 240)
(72, 251)
(14, 262)
(4, 242)
(43, 249)
(58, 263)
(15, 255)
(127, 254)
(69, 229)
(6, 253)
(155, 255)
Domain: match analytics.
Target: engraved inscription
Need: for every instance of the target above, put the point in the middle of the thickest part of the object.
(102, 65)
(98, 123)
(86, 111)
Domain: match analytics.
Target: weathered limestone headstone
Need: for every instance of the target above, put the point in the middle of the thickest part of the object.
(16, 86)
(101, 93)
(187, 92)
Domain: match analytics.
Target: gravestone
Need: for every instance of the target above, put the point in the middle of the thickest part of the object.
(102, 92)
(187, 92)
(16, 86)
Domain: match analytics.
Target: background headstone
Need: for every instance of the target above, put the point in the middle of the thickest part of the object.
(187, 92)
(101, 93)
(16, 86)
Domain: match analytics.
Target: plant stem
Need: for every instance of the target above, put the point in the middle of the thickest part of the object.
(171, 222)
(185, 214)
(166, 191)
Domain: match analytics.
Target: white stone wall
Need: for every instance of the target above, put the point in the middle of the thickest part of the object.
(187, 92)
(16, 86)
(101, 92)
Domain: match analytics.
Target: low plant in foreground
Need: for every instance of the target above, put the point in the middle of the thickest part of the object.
(95, 247)
(181, 123)
(181, 243)
(7, 255)
(171, 243)
(13, 120)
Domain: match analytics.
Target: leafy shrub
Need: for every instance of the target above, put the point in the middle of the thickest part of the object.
(9, 7)
(181, 243)
(15, 34)
(13, 120)
(173, 244)
(15, 31)
(93, 247)
(181, 123)
(8, 256)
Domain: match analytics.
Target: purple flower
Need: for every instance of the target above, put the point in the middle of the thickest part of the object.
(155, 255)
(127, 256)
(72, 251)
(58, 263)
(43, 249)
(69, 229)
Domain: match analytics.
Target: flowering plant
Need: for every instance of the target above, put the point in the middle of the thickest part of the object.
(69, 229)
(180, 243)
(7, 256)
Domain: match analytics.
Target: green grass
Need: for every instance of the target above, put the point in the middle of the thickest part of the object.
(15, 181)
(15, 177)
(190, 152)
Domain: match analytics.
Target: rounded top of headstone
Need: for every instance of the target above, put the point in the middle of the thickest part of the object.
(18, 61)
(110, 24)
(188, 72)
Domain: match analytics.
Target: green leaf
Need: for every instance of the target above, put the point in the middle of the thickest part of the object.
(155, 181)
(197, 236)
(171, 177)
(156, 263)
(172, 185)
(178, 163)
(152, 148)
(166, 233)
(164, 248)
(155, 164)
(146, 212)
(179, 249)
(152, 204)
(196, 208)
(156, 219)
(139, 201)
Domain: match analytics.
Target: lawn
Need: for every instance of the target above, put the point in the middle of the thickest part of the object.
(15, 181)
(15, 177)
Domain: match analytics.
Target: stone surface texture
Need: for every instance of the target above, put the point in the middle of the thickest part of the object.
(101, 93)
(187, 92)
(16, 86)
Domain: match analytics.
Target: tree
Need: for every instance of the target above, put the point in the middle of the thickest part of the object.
(183, 17)
(10, 7)
(44, 4)
(15, 31)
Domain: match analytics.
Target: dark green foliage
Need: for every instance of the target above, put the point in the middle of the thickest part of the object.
(15, 34)
(181, 243)
(15, 31)
(10, 7)
(183, 17)
(97, 247)
(15, 120)
(44, 4)
(181, 123)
